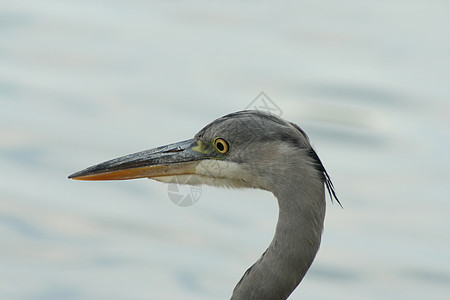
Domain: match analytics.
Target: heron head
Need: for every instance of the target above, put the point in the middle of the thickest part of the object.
(243, 149)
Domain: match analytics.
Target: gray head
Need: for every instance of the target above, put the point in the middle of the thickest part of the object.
(264, 145)
(243, 149)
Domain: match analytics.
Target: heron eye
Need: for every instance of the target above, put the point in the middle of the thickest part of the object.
(221, 145)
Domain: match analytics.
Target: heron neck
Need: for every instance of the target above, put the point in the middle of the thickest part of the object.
(296, 241)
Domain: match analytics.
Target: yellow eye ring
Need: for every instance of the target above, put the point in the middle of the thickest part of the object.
(221, 145)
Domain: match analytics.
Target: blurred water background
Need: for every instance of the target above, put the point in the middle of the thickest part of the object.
(85, 81)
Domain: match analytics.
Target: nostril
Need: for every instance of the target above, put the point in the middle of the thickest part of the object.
(173, 150)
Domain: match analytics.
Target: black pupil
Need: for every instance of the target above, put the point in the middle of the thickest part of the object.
(220, 146)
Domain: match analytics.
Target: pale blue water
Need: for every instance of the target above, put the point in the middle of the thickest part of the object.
(86, 81)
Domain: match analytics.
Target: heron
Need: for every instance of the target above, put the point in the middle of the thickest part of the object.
(247, 149)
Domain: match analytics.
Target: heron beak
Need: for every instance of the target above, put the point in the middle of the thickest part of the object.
(170, 160)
